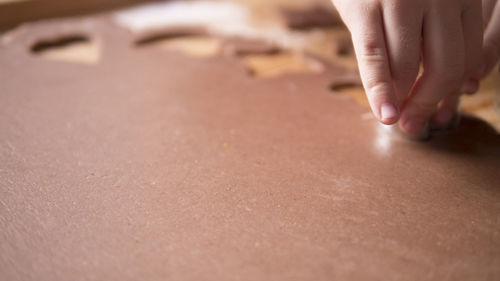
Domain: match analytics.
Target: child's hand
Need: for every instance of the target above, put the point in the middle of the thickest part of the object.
(392, 36)
(491, 48)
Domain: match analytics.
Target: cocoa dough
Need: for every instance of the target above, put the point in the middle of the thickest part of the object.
(316, 16)
(151, 165)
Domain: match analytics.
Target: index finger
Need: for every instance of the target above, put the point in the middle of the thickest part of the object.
(367, 29)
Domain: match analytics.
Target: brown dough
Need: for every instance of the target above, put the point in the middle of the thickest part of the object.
(343, 47)
(151, 165)
(316, 16)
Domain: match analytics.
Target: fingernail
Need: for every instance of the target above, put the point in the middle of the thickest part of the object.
(414, 126)
(470, 86)
(388, 113)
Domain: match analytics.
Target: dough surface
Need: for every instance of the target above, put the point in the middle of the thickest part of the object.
(152, 165)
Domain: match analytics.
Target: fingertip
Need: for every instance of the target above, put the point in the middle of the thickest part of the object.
(389, 113)
(410, 131)
(414, 126)
(471, 86)
(443, 118)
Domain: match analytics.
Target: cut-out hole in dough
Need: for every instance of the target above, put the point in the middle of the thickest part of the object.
(194, 45)
(74, 49)
(352, 90)
(343, 47)
(239, 46)
(278, 63)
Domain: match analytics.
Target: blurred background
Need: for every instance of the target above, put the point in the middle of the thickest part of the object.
(325, 40)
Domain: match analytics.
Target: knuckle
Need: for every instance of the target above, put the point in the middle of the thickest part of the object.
(371, 53)
(370, 47)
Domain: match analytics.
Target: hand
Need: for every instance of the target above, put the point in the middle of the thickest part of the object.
(392, 37)
(491, 48)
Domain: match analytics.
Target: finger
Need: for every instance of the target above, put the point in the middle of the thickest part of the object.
(491, 47)
(488, 7)
(367, 31)
(404, 20)
(446, 110)
(473, 39)
(444, 66)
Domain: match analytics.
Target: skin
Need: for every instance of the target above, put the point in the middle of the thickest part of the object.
(457, 42)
